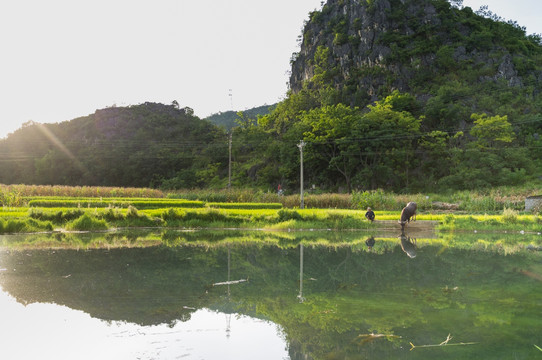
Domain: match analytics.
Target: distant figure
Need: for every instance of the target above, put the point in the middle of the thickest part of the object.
(370, 215)
(408, 246)
(370, 242)
(279, 190)
(408, 212)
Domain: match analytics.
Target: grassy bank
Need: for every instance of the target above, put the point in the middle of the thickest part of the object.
(30, 209)
(88, 219)
(478, 201)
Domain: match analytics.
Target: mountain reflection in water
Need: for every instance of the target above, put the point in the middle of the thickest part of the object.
(270, 295)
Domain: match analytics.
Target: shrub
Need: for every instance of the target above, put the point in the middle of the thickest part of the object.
(377, 199)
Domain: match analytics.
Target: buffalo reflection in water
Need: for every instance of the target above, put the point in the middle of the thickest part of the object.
(408, 245)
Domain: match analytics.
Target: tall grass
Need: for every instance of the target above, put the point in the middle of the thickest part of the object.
(479, 201)
(80, 191)
(325, 201)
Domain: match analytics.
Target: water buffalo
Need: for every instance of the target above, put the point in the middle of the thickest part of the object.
(409, 211)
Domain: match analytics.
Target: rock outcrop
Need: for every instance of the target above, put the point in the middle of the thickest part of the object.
(373, 47)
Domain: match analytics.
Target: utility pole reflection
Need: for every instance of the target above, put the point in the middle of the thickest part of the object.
(228, 316)
(300, 296)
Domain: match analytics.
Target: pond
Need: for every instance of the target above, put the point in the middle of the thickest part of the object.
(270, 295)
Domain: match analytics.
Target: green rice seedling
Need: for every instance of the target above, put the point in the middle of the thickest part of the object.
(87, 223)
(113, 214)
(56, 217)
(172, 214)
(39, 225)
(286, 215)
(132, 212)
(209, 218)
(250, 206)
(14, 226)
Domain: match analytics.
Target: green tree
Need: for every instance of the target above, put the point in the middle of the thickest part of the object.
(491, 131)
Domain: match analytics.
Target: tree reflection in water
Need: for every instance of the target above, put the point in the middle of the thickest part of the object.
(330, 293)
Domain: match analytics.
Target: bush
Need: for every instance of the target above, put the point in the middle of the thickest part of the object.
(377, 199)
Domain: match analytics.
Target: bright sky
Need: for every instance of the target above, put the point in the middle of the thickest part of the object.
(61, 59)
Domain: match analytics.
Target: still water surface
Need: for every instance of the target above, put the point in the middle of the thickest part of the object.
(265, 295)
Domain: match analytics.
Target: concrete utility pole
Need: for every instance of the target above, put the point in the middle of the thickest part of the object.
(300, 146)
(229, 163)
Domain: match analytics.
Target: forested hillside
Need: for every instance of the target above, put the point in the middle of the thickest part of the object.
(230, 119)
(144, 145)
(403, 95)
(410, 95)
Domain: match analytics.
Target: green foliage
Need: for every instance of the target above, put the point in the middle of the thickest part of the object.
(227, 119)
(451, 102)
(375, 199)
(248, 206)
(87, 223)
(509, 216)
(57, 217)
(12, 226)
(287, 215)
(491, 131)
(113, 215)
(136, 146)
(10, 198)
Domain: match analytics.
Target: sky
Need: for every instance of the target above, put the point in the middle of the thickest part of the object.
(62, 59)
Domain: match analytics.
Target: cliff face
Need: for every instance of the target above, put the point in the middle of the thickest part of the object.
(367, 48)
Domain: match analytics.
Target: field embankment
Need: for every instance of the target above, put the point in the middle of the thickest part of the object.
(33, 209)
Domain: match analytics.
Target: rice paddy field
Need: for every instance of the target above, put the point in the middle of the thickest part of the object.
(36, 209)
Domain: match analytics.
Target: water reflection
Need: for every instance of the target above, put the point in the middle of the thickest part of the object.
(408, 245)
(317, 295)
(58, 332)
